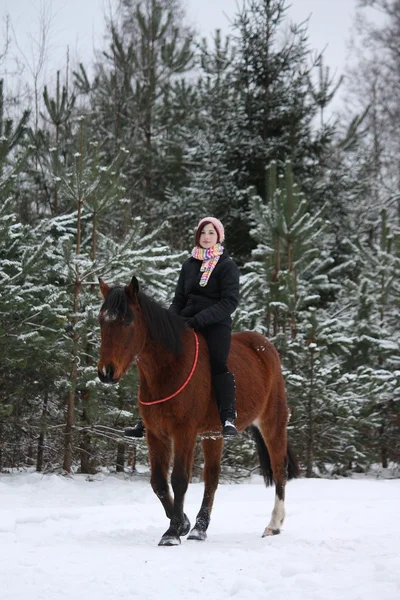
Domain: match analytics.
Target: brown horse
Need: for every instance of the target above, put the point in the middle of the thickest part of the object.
(177, 402)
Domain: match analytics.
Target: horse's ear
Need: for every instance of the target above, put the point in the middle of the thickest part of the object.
(133, 288)
(104, 288)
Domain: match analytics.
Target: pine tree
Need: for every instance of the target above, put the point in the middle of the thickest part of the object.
(273, 73)
(12, 156)
(10, 134)
(37, 189)
(375, 353)
(209, 149)
(27, 328)
(49, 333)
(285, 294)
(325, 421)
(257, 105)
(141, 100)
(59, 113)
(374, 83)
(288, 270)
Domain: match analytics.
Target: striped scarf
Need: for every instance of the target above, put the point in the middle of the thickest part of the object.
(210, 257)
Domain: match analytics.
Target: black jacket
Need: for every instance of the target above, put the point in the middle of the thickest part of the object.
(213, 303)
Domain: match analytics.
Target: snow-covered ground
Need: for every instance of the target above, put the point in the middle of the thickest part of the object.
(76, 539)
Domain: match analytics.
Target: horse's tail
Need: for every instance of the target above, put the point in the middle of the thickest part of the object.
(265, 461)
(293, 470)
(263, 456)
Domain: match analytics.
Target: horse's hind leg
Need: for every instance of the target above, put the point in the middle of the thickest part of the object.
(272, 448)
(212, 451)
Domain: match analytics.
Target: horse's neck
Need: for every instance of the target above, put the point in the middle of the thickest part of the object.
(153, 364)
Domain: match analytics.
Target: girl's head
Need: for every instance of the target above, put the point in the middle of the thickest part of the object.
(209, 232)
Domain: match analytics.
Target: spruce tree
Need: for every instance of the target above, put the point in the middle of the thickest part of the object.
(288, 272)
(374, 83)
(375, 351)
(258, 104)
(141, 100)
(273, 72)
(285, 293)
(13, 155)
(209, 145)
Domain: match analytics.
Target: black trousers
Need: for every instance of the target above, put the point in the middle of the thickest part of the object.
(218, 338)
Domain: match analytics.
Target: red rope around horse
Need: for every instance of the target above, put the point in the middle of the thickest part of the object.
(196, 356)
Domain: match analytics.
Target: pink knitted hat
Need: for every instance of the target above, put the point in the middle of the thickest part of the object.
(217, 224)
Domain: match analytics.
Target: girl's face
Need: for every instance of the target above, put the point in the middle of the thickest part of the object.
(208, 236)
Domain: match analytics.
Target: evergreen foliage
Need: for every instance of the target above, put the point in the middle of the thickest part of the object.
(112, 178)
(140, 100)
(375, 351)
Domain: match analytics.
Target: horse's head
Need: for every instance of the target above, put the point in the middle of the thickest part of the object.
(122, 336)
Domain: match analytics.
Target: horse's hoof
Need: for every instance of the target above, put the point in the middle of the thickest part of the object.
(197, 534)
(185, 527)
(169, 540)
(269, 531)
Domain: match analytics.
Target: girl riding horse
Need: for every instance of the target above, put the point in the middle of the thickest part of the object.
(177, 401)
(206, 295)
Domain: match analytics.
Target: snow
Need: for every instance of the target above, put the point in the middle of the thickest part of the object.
(71, 538)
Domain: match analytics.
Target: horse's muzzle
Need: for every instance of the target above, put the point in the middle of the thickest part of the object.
(106, 375)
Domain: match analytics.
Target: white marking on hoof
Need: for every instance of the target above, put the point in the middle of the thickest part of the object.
(277, 518)
(198, 535)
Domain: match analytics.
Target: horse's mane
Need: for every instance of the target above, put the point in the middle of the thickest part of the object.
(116, 304)
(163, 327)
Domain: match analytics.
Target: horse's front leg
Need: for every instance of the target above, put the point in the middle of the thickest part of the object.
(160, 457)
(183, 458)
(212, 451)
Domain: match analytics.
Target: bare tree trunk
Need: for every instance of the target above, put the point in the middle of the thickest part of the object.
(86, 450)
(384, 456)
(133, 459)
(88, 462)
(275, 279)
(383, 442)
(70, 417)
(310, 425)
(29, 454)
(40, 448)
(120, 457)
(74, 371)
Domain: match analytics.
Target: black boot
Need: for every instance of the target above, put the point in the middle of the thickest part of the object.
(137, 431)
(224, 387)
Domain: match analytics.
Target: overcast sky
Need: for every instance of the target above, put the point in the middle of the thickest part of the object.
(79, 25)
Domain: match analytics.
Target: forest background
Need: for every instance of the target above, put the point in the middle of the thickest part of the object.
(106, 172)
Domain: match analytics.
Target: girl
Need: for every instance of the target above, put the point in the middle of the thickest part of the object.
(206, 295)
